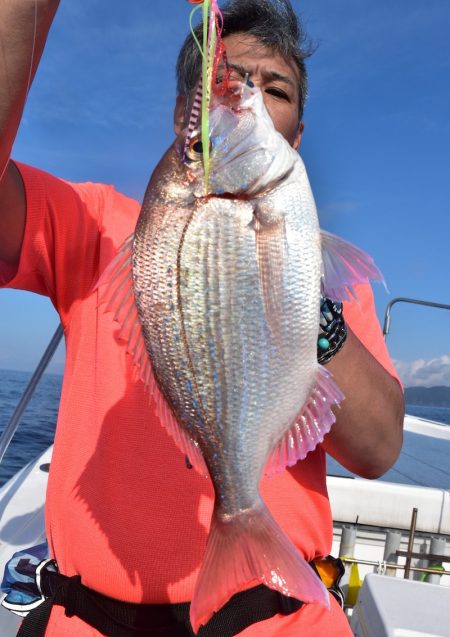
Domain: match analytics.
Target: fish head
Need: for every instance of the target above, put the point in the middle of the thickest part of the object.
(247, 154)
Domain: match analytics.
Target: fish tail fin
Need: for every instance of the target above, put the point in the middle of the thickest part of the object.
(250, 548)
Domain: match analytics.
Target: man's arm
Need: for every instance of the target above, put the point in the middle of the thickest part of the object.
(20, 53)
(368, 433)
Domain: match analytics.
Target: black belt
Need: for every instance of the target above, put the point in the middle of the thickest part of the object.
(115, 618)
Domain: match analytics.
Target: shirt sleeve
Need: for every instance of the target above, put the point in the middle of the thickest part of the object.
(61, 244)
(361, 317)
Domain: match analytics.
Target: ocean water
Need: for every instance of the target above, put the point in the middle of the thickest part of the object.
(37, 428)
(439, 414)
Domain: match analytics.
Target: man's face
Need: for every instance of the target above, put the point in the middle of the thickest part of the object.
(277, 79)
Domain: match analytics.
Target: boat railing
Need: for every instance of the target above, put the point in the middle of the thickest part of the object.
(11, 427)
(382, 566)
(400, 299)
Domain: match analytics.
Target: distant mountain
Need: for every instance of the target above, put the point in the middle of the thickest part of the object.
(432, 396)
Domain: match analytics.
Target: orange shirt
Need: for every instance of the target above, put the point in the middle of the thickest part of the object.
(123, 511)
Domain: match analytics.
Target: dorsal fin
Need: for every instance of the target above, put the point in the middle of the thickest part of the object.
(343, 266)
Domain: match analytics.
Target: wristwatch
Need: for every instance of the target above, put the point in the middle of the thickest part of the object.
(332, 330)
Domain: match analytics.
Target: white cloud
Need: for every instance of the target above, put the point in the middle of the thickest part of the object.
(425, 373)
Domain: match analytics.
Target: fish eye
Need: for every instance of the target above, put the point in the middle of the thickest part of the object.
(197, 146)
(194, 151)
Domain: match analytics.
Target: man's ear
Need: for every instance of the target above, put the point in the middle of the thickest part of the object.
(179, 115)
(298, 136)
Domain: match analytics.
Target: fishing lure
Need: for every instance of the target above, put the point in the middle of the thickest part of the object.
(212, 51)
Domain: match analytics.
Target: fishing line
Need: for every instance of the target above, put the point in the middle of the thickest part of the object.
(30, 75)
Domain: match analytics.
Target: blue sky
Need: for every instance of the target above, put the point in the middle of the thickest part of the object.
(376, 143)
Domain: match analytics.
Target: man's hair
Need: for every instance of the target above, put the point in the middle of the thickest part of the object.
(272, 22)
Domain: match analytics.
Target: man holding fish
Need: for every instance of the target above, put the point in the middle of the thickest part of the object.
(212, 293)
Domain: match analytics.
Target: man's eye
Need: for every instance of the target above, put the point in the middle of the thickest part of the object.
(277, 93)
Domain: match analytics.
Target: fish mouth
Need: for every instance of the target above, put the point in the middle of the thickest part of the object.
(225, 196)
(229, 195)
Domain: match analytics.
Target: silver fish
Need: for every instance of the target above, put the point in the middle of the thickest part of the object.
(227, 288)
